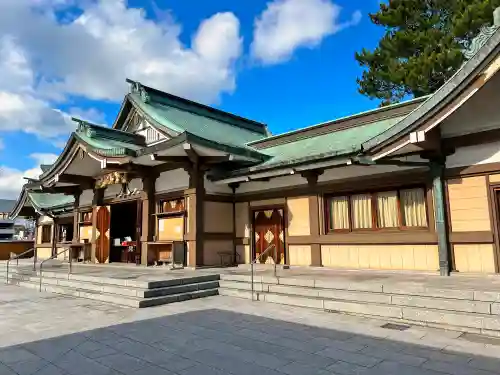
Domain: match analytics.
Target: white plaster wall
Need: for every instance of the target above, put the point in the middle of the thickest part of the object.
(136, 183)
(86, 198)
(177, 179)
(352, 171)
(45, 220)
(474, 155)
(480, 113)
(274, 183)
(112, 191)
(212, 188)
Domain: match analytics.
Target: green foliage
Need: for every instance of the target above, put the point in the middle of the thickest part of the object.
(422, 46)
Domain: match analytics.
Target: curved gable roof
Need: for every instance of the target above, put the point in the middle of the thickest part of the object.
(487, 49)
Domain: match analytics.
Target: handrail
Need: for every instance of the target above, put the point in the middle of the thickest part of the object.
(17, 259)
(257, 259)
(54, 257)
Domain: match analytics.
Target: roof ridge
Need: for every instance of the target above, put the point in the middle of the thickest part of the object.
(340, 120)
(145, 92)
(94, 130)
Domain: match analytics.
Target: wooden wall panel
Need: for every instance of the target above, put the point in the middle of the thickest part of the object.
(242, 220)
(388, 257)
(268, 202)
(44, 252)
(14, 247)
(299, 255)
(495, 178)
(218, 217)
(210, 250)
(474, 258)
(171, 228)
(298, 216)
(244, 254)
(86, 232)
(469, 209)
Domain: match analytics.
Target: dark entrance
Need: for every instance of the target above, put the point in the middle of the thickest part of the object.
(124, 234)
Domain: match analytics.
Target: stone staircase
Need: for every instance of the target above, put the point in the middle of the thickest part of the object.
(471, 310)
(123, 292)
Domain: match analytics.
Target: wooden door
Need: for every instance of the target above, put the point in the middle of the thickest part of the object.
(268, 230)
(102, 233)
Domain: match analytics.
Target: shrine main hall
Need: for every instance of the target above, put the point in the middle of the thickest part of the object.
(410, 186)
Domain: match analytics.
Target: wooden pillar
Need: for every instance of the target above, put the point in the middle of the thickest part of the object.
(54, 235)
(437, 172)
(76, 217)
(314, 215)
(195, 198)
(233, 187)
(148, 211)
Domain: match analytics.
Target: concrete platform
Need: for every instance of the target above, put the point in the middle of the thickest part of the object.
(462, 303)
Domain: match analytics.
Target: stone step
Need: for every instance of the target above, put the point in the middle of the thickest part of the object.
(196, 291)
(439, 303)
(408, 289)
(64, 275)
(454, 320)
(118, 290)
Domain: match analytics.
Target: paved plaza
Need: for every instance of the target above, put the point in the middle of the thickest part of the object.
(49, 334)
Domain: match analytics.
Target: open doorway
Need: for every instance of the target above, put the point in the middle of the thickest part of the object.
(124, 231)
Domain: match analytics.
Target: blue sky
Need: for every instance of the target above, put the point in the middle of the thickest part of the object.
(288, 63)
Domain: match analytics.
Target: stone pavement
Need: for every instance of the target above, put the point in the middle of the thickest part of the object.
(46, 334)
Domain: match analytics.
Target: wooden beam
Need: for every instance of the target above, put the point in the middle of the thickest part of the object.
(191, 153)
(169, 159)
(180, 159)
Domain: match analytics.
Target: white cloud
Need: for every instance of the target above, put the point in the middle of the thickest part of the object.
(12, 179)
(286, 25)
(21, 108)
(93, 54)
(55, 53)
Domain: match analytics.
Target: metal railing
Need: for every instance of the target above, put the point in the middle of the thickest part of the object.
(54, 257)
(16, 258)
(272, 246)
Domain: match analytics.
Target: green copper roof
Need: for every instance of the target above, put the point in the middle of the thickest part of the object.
(45, 201)
(109, 142)
(180, 120)
(332, 144)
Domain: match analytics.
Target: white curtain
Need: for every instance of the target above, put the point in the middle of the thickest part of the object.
(361, 208)
(339, 213)
(387, 209)
(413, 208)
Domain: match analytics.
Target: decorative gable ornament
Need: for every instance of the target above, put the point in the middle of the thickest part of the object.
(112, 178)
(137, 88)
(485, 33)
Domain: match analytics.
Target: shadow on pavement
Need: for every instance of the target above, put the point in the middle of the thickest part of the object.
(211, 342)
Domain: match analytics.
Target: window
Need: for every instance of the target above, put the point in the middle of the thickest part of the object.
(46, 233)
(404, 208)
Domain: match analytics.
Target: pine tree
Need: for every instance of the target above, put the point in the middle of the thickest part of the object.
(422, 46)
